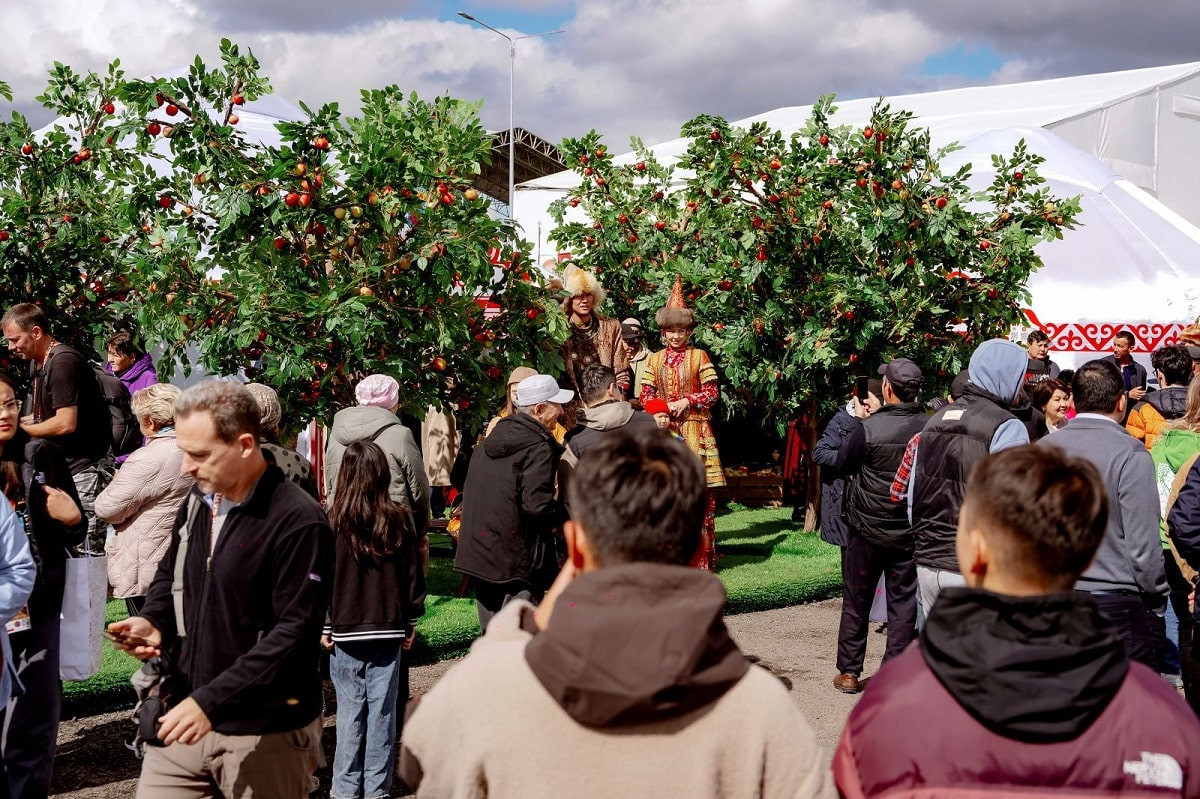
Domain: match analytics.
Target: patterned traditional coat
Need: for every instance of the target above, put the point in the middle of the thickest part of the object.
(600, 343)
(675, 374)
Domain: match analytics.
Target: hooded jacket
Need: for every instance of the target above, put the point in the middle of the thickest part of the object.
(1017, 696)
(141, 374)
(1148, 417)
(594, 423)
(410, 486)
(597, 420)
(509, 502)
(138, 376)
(1172, 450)
(955, 439)
(634, 689)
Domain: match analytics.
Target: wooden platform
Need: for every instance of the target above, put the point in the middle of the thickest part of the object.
(752, 490)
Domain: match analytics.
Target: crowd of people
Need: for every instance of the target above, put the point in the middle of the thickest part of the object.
(1036, 534)
(895, 482)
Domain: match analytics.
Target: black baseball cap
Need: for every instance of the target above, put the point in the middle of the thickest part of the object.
(901, 371)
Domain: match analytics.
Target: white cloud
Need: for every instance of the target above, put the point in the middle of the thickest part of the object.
(621, 66)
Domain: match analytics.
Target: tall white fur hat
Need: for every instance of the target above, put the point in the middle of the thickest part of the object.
(580, 281)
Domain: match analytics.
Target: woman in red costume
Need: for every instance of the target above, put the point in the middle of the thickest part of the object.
(684, 376)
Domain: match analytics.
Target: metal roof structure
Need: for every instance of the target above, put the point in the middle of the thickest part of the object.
(533, 158)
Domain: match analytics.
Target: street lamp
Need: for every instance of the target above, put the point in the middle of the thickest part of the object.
(512, 60)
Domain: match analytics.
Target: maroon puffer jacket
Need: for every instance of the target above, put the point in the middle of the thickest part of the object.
(1010, 697)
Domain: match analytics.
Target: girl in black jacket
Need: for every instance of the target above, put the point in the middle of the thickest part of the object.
(37, 482)
(378, 594)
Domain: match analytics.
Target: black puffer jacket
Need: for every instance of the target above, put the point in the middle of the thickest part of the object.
(870, 511)
(953, 441)
(509, 502)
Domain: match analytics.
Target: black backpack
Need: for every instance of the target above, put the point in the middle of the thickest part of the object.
(126, 432)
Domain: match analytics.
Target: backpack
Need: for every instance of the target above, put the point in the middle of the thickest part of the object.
(126, 432)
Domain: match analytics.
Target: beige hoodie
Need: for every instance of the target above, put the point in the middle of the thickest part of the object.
(642, 654)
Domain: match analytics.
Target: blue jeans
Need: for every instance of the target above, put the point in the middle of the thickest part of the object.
(365, 676)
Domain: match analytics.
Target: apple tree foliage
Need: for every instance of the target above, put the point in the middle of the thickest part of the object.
(811, 258)
(66, 207)
(352, 246)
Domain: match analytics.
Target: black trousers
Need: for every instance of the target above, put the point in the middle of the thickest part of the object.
(490, 598)
(30, 723)
(862, 565)
(1189, 658)
(1133, 623)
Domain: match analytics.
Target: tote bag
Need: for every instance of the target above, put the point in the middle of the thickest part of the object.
(84, 599)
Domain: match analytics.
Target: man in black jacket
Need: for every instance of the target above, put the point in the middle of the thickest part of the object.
(604, 411)
(508, 539)
(244, 639)
(1133, 373)
(880, 540)
(825, 454)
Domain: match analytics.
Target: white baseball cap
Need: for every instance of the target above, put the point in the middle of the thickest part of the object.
(541, 388)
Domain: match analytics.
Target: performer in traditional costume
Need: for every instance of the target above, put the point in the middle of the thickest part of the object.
(684, 376)
(594, 339)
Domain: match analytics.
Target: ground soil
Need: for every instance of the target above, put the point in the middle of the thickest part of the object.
(797, 643)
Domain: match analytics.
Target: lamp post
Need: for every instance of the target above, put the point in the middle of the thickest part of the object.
(512, 61)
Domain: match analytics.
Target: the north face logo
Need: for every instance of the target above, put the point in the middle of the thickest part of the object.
(1156, 770)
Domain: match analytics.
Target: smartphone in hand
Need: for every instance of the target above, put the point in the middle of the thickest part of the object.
(127, 640)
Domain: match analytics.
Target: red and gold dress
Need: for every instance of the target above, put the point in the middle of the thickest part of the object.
(672, 374)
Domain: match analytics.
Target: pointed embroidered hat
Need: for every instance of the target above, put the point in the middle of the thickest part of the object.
(675, 313)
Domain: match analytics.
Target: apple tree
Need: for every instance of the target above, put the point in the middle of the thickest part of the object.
(811, 258)
(350, 246)
(66, 210)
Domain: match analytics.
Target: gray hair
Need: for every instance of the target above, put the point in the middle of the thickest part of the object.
(232, 408)
(157, 402)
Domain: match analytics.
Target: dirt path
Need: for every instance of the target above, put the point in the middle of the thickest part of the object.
(797, 643)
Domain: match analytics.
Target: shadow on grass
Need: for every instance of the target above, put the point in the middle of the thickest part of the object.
(767, 561)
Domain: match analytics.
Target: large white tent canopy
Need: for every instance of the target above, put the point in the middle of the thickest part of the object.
(1132, 262)
(1127, 142)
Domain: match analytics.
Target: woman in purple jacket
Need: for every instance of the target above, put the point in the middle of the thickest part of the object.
(131, 365)
(130, 362)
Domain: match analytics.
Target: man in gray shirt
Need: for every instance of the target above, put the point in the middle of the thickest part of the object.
(1126, 580)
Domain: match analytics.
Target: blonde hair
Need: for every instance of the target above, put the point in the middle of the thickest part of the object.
(157, 402)
(1191, 417)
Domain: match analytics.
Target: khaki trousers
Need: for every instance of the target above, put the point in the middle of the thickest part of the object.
(272, 766)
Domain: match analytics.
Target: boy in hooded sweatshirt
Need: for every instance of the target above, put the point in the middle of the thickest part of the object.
(1017, 686)
(958, 436)
(624, 681)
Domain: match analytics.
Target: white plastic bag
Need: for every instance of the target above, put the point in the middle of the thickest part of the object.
(84, 598)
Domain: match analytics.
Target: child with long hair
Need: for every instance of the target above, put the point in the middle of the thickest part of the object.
(377, 596)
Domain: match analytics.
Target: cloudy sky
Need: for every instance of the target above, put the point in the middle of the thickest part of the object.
(621, 66)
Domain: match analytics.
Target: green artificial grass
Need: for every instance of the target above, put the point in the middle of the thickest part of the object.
(767, 561)
(764, 558)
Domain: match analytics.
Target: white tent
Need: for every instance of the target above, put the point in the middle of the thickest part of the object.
(1131, 262)
(1128, 141)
